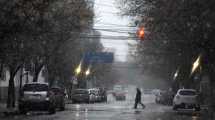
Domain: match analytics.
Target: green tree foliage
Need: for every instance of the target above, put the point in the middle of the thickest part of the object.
(43, 33)
(178, 31)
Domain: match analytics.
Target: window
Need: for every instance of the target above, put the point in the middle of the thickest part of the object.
(35, 87)
(187, 92)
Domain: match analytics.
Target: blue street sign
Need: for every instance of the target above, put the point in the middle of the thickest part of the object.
(98, 57)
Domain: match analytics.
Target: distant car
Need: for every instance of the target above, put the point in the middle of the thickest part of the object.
(92, 95)
(60, 96)
(158, 97)
(81, 95)
(97, 94)
(103, 94)
(156, 91)
(147, 91)
(186, 99)
(119, 93)
(36, 96)
(164, 97)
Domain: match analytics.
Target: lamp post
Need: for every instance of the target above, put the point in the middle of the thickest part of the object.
(78, 69)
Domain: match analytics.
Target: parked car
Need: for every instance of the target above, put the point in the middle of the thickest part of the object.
(164, 97)
(158, 97)
(119, 93)
(36, 96)
(147, 91)
(92, 95)
(186, 99)
(81, 95)
(120, 96)
(156, 91)
(59, 95)
(98, 95)
(103, 94)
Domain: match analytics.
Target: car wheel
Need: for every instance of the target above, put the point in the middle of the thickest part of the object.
(175, 107)
(23, 110)
(52, 110)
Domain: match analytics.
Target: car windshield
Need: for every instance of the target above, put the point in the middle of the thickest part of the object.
(56, 90)
(80, 92)
(111, 58)
(187, 92)
(35, 87)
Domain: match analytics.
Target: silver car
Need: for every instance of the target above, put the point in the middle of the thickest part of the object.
(80, 95)
(36, 96)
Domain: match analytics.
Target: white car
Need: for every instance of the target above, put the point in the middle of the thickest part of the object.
(92, 95)
(186, 99)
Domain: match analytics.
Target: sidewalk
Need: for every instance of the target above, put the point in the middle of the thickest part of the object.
(7, 111)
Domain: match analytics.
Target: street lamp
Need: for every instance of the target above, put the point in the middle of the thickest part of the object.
(78, 69)
(196, 64)
(87, 72)
(176, 75)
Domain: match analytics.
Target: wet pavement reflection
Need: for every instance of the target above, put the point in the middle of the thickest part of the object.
(113, 110)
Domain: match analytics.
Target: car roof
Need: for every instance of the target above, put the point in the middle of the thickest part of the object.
(59, 88)
(187, 90)
(80, 89)
(36, 83)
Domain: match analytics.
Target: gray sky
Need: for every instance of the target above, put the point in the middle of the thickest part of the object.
(107, 18)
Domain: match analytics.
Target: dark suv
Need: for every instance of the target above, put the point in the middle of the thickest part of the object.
(81, 95)
(59, 95)
(36, 96)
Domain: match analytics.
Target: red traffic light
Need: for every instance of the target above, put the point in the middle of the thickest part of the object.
(141, 33)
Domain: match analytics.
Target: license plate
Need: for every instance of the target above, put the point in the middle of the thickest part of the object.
(34, 97)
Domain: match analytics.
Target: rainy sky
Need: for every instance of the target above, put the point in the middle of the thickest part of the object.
(107, 20)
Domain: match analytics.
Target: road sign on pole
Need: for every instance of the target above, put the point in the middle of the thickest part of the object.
(98, 57)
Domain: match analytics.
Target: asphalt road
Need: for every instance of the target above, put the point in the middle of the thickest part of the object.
(113, 110)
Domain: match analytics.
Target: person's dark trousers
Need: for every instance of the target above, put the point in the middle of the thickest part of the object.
(138, 102)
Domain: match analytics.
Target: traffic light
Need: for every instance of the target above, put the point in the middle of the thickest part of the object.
(141, 33)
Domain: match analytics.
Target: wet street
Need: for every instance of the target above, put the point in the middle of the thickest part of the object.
(113, 110)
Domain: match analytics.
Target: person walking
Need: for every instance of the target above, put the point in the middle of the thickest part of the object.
(138, 99)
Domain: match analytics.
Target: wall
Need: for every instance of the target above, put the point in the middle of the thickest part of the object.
(5, 79)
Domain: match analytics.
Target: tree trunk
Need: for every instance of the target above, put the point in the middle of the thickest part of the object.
(11, 97)
(11, 92)
(37, 72)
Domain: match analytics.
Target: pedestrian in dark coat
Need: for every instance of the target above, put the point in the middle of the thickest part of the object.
(138, 99)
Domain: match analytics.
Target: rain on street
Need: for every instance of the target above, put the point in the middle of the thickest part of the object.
(112, 110)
